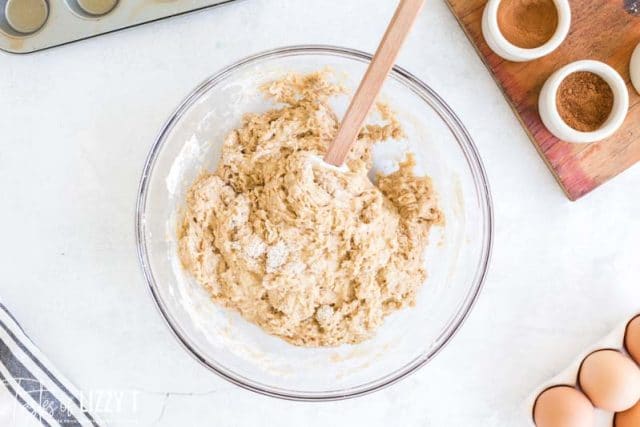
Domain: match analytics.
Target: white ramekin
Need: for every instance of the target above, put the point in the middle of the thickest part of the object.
(549, 110)
(503, 47)
(634, 68)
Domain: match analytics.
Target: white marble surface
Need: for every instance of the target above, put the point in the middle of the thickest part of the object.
(76, 123)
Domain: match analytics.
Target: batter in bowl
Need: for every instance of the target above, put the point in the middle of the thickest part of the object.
(311, 253)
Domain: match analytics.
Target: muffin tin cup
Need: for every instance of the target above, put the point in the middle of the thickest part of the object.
(92, 9)
(569, 376)
(21, 18)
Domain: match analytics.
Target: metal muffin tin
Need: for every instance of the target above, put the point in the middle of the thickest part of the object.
(31, 25)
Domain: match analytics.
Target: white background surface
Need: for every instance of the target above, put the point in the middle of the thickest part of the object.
(76, 123)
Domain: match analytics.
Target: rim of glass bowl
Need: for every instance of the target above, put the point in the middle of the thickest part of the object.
(465, 142)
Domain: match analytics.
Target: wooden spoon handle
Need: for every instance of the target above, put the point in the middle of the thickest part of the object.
(375, 76)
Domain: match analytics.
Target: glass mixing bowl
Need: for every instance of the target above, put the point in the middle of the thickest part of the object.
(456, 259)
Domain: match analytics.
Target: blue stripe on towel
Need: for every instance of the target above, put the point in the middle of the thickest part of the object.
(34, 388)
(40, 365)
(23, 403)
(26, 374)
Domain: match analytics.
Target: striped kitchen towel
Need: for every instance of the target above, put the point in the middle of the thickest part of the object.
(34, 392)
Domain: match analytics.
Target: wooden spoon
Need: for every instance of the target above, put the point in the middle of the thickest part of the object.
(370, 86)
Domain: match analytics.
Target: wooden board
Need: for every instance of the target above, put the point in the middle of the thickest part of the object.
(600, 30)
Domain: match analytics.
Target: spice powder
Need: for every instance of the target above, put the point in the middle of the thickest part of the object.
(584, 101)
(528, 23)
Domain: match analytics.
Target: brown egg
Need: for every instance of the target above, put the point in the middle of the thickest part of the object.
(563, 406)
(632, 339)
(610, 380)
(628, 418)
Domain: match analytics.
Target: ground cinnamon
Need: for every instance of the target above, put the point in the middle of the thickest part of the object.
(584, 101)
(528, 23)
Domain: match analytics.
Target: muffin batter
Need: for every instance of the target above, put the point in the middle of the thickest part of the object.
(311, 253)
